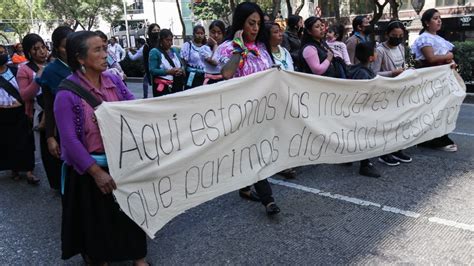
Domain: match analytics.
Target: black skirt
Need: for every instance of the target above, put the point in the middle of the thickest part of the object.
(17, 145)
(94, 225)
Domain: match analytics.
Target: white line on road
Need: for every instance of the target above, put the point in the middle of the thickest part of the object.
(463, 134)
(361, 202)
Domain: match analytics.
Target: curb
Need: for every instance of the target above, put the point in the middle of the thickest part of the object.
(134, 79)
(469, 97)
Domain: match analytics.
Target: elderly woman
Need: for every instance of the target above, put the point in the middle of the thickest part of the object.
(92, 223)
(164, 64)
(247, 53)
(53, 74)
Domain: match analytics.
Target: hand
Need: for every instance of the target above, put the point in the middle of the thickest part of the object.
(330, 56)
(105, 182)
(397, 72)
(53, 147)
(211, 42)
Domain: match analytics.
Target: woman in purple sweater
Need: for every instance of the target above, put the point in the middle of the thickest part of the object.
(92, 223)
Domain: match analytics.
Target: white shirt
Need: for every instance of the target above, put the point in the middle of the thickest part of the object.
(192, 55)
(5, 98)
(206, 53)
(138, 55)
(117, 51)
(283, 58)
(440, 46)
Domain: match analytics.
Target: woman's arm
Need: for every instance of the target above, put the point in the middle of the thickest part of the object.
(310, 55)
(28, 87)
(154, 63)
(433, 59)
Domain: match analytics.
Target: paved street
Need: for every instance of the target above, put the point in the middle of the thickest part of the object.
(417, 213)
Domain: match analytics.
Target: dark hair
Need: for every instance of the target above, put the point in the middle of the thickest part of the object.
(165, 33)
(394, 24)
(425, 18)
(356, 22)
(141, 41)
(76, 47)
(293, 22)
(102, 35)
(200, 27)
(308, 24)
(29, 41)
(268, 27)
(219, 24)
(59, 34)
(150, 28)
(338, 29)
(241, 13)
(15, 47)
(364, 50)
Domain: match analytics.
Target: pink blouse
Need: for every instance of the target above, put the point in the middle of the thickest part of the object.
(310, 54)
(28, 87)
(107, 93)
(252, 64)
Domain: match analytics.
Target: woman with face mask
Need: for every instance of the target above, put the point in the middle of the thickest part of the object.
(390, 62)
(292, 37)
(361, 29)
(16, 138)
(153, 33)
(191, 55)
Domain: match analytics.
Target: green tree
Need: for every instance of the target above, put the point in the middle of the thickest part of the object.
(16, 16)
(210, 10)
(85, 13)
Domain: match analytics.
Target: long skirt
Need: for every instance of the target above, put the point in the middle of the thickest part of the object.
(17, 146)
(51, 164)
(93, 225)
(437, 142)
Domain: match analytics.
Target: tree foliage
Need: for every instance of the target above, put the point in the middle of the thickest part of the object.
(210, 10)
(85, 13)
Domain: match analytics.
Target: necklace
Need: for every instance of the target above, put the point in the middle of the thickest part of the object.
(278, 56)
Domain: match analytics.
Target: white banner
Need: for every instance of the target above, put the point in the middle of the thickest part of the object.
(175, 152)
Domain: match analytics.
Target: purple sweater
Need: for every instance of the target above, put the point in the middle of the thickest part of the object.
(69, 114)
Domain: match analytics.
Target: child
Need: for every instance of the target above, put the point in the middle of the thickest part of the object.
(334, 41)
(365, 53)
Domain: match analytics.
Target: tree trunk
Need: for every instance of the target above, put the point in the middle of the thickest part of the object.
(338, 11)
(276, 7)
(378, 11)
(183, 33)
(394, 6)
(289, 7)
(300, 7)
(232, 5)
(5, 37)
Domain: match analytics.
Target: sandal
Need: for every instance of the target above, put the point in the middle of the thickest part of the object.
(249, 195)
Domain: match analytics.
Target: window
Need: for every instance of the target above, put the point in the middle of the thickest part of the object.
(362, 6)
(450, 2)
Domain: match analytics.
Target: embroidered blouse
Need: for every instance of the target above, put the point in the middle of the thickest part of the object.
(192, 55)
(252, 64)
(440, 46)
(78, 129)
(206, 53)
(5, 98)
(283, 58)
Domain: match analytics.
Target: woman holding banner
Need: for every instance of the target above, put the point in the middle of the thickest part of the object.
(92, 223)
(247, 51)
(431, 49)
(390, 62)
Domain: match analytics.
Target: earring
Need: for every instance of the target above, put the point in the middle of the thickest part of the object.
(83, 69)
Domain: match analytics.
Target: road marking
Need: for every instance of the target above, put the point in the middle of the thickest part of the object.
(361, 202)
(463, 134)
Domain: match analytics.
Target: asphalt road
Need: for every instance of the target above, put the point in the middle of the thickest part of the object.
(417, 213)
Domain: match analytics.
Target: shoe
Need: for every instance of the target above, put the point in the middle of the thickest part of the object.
(402, 157)
(272, 209)
(249, 195)
(449, 148)
(369, 170)
(288, 173)
(388, 160)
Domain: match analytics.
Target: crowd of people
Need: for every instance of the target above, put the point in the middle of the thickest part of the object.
(52, 97)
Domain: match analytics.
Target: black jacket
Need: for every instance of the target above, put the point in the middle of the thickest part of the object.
(360, 71)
